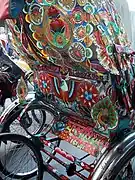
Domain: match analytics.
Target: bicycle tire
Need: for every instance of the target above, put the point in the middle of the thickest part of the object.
(9, 120)
(112, 174)
(120, 159)
(6, 124)
(37, 156)
(35, 116)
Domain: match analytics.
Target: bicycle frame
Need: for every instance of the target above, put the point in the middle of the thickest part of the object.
(95, 169)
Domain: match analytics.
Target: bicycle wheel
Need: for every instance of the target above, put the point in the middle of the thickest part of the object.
(33, 120)
(124, 169)
(20, 160)
(14, 126)
(119, 164)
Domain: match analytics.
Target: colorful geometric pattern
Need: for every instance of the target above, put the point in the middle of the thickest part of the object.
(69, 33)
(87, 43)
(104, 114)
(87, 94)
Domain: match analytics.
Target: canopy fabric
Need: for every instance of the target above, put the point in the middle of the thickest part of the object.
(75, 35)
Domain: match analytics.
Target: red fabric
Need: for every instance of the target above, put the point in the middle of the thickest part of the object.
(4, 9)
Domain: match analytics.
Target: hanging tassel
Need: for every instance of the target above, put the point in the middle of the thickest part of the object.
(22, 90)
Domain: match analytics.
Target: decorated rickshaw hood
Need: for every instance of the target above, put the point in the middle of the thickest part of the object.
(86, 41)
(74, 34)
(81, 56)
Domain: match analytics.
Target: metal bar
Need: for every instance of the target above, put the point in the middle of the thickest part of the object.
(53, 139)
(68, 156)
(52, 171)
(84, 157)
(63, 164)
(80, 170)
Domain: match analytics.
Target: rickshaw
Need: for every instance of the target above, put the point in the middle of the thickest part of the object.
(84, 73)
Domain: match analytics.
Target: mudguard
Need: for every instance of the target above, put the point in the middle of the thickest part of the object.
(112, 157)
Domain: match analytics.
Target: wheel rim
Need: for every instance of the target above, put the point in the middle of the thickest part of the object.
(17, 159)
(15, 127)
(28, 122)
